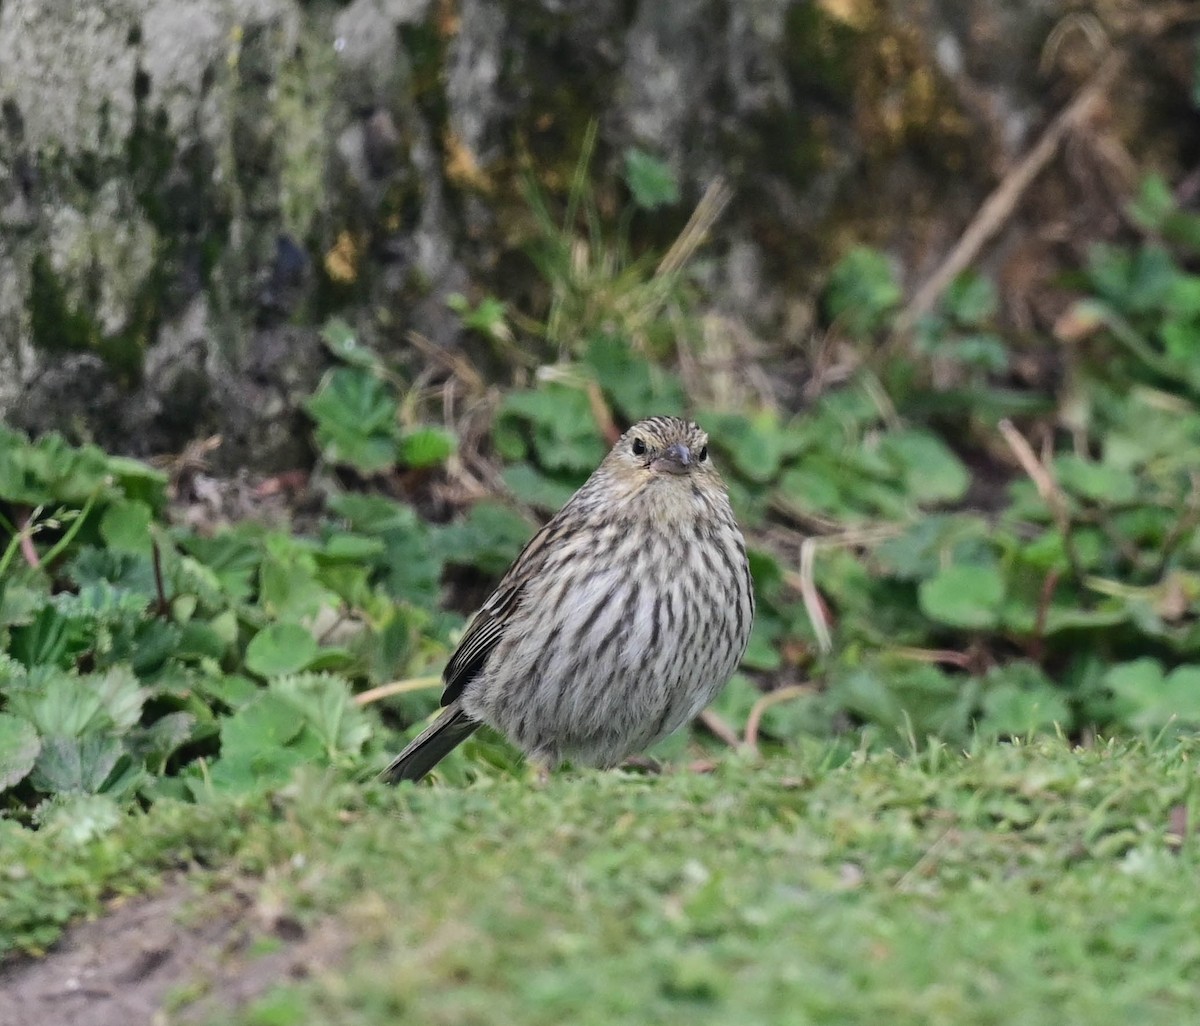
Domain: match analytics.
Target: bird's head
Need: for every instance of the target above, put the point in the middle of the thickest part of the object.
(662, 456)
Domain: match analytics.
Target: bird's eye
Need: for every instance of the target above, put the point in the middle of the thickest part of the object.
(703, 454)
(638, 447)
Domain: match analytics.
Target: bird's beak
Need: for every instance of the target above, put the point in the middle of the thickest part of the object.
(674, 459)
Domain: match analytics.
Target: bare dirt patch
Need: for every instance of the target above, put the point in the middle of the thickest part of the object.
(178, 957)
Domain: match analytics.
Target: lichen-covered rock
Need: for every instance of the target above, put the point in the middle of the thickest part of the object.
(189, 187)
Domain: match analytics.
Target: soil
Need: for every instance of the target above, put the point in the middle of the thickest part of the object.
(178, 957)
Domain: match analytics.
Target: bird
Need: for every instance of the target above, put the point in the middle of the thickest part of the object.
(618, 622)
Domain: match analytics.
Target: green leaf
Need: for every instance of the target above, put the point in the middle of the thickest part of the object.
(77, 819)
(412, 565)
(756, 446)
(344, 546)
(812, 488)
(261, 744)
(356, 420)
(1144, 698)
(651, 182)
(1019, 700)
(76, 764)
(125, 526)
(489, 538)
(964, 596)
(762, 651)
(932, 540)
(69, 706)
(340, 339)
(44, 641)
(1153, 203)
(198, 640)
(289, 587)
(637, 387)
(374, 514)
(49, 471)
(1095, 481)
(564, 432)
(124, 571)
(534, 488)
(267, 722)
(280, 648)
(970, 300)
(161, 738)
(489, 318)
(425, 447)
(230, 560)
(19, 747)
(328, 707)
(120, 695)
(931, 471)
(232, 690)
(908, 700)
(862, 292)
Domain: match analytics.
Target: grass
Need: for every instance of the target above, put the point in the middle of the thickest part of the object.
(1031, 883)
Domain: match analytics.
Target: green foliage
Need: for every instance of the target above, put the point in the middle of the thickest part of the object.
(862, 292)
(944, 621)
(140, 660)
(651, 183)
(599, 285)
(357, 414)
(143, 660)
(959, 332)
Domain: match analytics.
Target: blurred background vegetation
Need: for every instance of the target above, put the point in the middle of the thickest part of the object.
(311, 312)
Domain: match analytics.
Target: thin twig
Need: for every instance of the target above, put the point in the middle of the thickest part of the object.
(398, 687)
(1045, 596)
(813, 605)
(1041, 477)
(719, 729)
(805, 582)
(601, 412)
(1000, 205)
(28, 549)
(1047, 488)
(754, 720)
(164, 607)
(716, 197)
(942, 656)
(457, 364)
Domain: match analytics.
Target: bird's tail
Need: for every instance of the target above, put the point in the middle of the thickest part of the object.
(431, 746)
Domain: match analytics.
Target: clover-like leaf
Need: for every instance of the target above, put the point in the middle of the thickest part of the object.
(280, 648)
(930, 470)
(125, 527)
(427, 446)
(1146, 698)
(969, 596)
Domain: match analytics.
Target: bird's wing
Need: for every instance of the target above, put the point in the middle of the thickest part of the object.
(486, 630)
(481, 637)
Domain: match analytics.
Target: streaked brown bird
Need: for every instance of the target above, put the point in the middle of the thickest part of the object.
(618, 622)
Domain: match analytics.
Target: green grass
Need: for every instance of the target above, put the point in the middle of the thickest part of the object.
(1032, 884)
